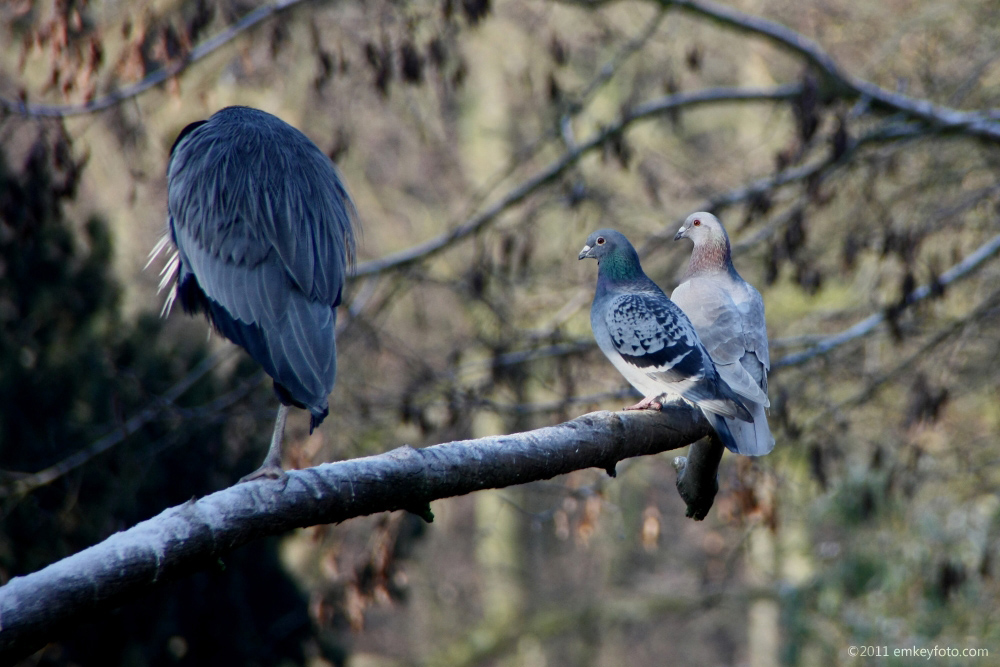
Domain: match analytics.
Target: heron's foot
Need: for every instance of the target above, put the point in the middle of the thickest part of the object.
(266, 471)
(646, 404)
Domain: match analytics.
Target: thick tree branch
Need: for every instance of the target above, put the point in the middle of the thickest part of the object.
(33, 608)
(697, 476)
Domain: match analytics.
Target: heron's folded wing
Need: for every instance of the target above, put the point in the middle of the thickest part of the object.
(261, 309)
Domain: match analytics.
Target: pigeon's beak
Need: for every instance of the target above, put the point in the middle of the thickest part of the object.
(680, 234)
(586, 252)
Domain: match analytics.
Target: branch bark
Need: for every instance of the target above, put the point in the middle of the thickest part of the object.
(33, 608)
(697, 476)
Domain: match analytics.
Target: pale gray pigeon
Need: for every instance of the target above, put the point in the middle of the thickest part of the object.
(650, 340)
(728, 314)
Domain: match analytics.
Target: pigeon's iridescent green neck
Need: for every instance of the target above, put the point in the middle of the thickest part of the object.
(620, 265)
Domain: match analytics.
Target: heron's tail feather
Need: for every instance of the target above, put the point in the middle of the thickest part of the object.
(157, 249)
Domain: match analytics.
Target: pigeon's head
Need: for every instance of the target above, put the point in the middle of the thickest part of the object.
(702, 228)
(607, 243)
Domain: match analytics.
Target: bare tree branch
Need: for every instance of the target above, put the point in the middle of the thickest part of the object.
(654, 108)
(181, 539)
(556, 168)
(698, 476)
(840, 84)
(820, 169)
(912, 362)
(154, 78)
(628, 50)
(937, 120)
(866, 326)
(23, 484)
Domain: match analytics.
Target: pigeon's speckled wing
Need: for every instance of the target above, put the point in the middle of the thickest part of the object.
(650, 335)
(660, 349)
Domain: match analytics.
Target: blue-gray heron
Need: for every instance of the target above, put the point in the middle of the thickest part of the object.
(264, 234)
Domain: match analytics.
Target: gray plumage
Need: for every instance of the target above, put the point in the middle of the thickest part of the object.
(728, 314)
(649, 339)
(264, 234)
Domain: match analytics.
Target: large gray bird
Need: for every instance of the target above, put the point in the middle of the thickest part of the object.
(728, 314)
(650, 340)
(264, 235)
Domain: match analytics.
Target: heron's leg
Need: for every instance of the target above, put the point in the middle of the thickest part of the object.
(648, 403)
(271, 467)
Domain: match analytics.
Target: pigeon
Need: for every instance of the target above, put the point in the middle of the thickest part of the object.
(650, 340)
(728, 314)
(263, 232)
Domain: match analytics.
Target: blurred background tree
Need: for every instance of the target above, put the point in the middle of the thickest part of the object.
(500, 134)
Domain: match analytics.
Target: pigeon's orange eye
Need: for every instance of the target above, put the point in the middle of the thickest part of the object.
(600, 240)
(697, 223)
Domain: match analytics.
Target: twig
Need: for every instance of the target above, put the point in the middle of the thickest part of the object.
(658, 107)
(628, 50)
(840, 83)
(155, 77)
(866, 326)
(23, 485)
(886, 133)
(940, 218)
(988, 305)
(565, 126)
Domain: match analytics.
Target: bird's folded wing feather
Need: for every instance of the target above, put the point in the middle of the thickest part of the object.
(755, 329)
(289, 334)
(733, 333)
(310, 226)
(241, 203)
(651, 334)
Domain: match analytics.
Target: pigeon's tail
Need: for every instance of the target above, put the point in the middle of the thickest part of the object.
(722, 430)
(716, 396)
(752, 439)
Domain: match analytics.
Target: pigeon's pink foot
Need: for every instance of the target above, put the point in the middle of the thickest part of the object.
(646, 404)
